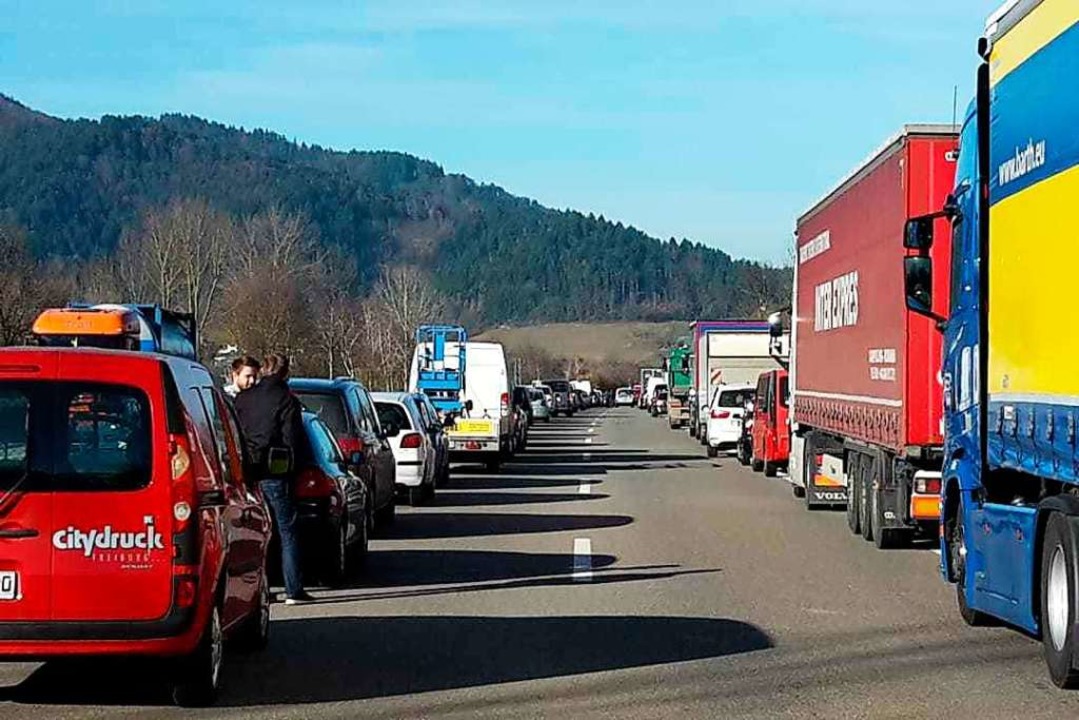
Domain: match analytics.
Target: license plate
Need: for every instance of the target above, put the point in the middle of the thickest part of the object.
(474, 427)
(9, 585)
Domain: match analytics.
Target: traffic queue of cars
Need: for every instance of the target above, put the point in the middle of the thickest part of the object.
(132, 521)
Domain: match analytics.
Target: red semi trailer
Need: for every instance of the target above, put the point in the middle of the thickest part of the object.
(866, 395)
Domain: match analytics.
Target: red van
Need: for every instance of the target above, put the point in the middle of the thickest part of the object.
(126, 524)
(771, 429)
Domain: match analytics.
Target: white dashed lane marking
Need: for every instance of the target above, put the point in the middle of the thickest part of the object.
(582, 559)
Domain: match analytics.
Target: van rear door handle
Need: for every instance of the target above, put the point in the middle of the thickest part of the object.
(17, 533)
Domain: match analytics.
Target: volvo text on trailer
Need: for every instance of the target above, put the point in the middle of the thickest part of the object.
(1010, 512)
(865, 394)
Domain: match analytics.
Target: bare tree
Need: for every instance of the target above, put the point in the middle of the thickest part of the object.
(179, 256)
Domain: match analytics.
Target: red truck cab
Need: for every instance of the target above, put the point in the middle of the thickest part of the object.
(771, 426)
(127, 525)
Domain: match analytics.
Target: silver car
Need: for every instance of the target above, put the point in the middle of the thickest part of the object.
(540, 409)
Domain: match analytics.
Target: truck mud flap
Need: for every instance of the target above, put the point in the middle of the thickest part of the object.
(818, 496)
(826, 485)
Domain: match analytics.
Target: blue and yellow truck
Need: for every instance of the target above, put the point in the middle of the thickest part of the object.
(1010, 503)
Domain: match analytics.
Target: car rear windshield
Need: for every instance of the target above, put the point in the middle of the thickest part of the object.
(735, 398)
(330, 408)
(67, 436)
(558, 386)
(392, 413)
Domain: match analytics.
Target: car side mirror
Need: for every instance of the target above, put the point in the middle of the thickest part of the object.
(918, 281)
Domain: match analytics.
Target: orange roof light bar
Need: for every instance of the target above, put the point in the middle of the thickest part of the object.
(64, 321)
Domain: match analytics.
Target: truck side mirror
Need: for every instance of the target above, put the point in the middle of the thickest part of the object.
(918, 233)
(918, 281)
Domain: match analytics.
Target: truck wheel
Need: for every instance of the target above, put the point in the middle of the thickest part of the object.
(769, 469)
(1058, 602)
(854, 495)
(712, 452)
(958, 555)
(865, 506)
(809, 470)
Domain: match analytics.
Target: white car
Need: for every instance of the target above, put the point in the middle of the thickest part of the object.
(724, 420)
(623, 396)
(414, 450)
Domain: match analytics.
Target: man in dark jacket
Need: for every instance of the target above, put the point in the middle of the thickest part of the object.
(272, 422)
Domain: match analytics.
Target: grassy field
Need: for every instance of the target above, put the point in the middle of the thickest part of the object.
(638, 343)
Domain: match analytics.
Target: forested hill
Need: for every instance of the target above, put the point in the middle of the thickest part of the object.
(77, 185)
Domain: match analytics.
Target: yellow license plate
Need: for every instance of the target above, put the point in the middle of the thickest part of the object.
(474, 427)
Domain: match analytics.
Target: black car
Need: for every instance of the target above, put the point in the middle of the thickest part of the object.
(563, 393)
(347, 409)
(331, 508)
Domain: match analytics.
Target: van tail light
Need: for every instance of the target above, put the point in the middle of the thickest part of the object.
(505, 404)
(411, 441)
(184, 499)
(721, 414)
(313, 483)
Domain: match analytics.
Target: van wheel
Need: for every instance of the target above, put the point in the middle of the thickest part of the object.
(199, 674)
(335, 569)
(1058, 606)
(254, 634)
(770, 469)
(712, 451)
(799, 491)
(756, 465)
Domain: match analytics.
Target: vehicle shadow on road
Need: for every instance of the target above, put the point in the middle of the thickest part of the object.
(331, 659)
(371, 657)
(448, 525)
(481, 499)
(601, 576)
(488, 482)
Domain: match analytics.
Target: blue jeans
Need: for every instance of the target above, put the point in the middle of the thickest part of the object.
(278, 494)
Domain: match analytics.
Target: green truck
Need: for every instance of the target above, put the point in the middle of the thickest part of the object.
(679, 366)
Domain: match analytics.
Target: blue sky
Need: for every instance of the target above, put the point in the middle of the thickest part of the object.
(716, 120)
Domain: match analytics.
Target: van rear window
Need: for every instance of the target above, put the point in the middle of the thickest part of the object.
(330, 408)
(64, 436)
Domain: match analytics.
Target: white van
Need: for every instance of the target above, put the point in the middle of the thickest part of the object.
(483, 430)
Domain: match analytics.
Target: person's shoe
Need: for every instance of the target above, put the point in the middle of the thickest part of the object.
(300, 599)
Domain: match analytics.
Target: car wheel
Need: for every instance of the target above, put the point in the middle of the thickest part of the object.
(335, 569)
(799, 491)
(712, 451)
(692, 430)
(417, 495)
(254, 635)
(1058, 611)
(387, 516)
(199, 675)
(493, 464)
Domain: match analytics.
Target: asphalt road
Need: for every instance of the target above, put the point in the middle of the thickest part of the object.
(612, 571)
